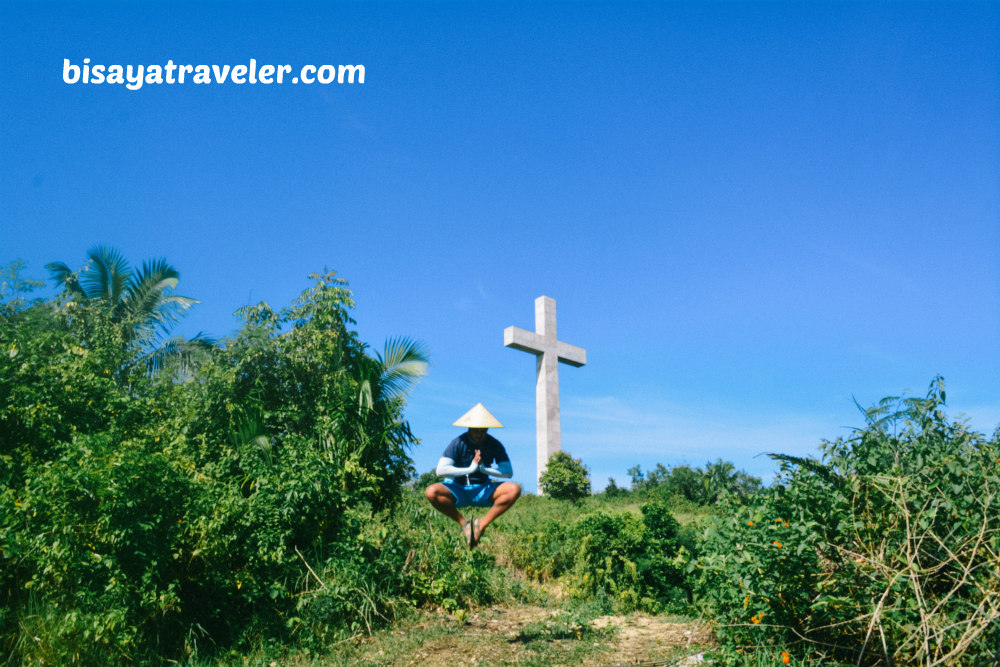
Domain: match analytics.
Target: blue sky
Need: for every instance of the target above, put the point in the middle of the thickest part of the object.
(749, 214)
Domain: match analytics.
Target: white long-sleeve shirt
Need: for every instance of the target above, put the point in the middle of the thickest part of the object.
(446, 468)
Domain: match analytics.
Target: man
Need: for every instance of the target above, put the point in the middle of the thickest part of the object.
(468, 463)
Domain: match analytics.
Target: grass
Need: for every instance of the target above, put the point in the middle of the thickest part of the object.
(535, 623)
(532, 510)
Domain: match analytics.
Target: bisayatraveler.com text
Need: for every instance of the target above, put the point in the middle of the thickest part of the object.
(135, 77)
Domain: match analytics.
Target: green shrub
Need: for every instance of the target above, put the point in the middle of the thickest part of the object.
(546, 551)
(632, 562)
(609, 546)
(884, 551)
(146, 518)
(612, 490)
(702, 486)
(565, 478)
(426, 479)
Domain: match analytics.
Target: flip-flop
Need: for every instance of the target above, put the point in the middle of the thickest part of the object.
(469, 534)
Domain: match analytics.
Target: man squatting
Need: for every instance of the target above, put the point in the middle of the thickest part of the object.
(467, 464)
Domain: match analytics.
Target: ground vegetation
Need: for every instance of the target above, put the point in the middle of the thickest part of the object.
(257, 504)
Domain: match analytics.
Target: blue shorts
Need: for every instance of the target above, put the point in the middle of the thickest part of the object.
(479, 495)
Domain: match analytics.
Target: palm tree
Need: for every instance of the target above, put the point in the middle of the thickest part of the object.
(718, 479)
(140, 302)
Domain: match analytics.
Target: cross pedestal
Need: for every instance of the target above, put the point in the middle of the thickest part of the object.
(548, 351)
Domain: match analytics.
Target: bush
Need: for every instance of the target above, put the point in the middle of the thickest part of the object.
(633, 562)
(145, 518)
(401, 559)
(884, 551)
(426, 479)
(565, 478)
(612, 490)
(702, 486)
(546, 551)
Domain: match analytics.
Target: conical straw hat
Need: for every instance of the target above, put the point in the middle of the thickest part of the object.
(478, 417)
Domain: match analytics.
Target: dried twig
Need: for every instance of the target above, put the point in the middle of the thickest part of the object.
(311, 571)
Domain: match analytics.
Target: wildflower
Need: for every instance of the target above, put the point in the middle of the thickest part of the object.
(786, 524)
(749, 523)
(777, 544)
(785, 658)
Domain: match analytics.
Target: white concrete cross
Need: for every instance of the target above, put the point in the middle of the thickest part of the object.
(548, 350)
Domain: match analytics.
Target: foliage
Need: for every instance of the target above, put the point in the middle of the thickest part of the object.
(633, 562)
(15, 288)
(884, 551)
(544, 549)
(425, 479)
(140, 303)
(622, 560)
(399, 560)
(565, 478)
(704, 486)
(612, 490)
(145, 519)
(258, 498)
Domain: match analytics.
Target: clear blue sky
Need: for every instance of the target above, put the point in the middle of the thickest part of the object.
(748, 213)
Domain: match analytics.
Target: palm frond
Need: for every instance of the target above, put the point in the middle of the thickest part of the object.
(148, 302)
(403, 362)
(250, 431)
(106, 275)
(365, 399)
(809, 464)
(65, 277)
(181, 355)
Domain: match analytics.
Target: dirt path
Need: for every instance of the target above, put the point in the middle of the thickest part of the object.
(530, 635)
(641, 636)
